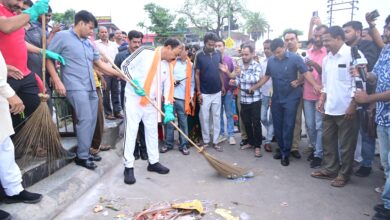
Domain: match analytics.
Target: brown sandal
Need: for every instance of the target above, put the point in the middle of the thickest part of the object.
(247, 146)
(258, 152)
(339, 181)
(323, 175)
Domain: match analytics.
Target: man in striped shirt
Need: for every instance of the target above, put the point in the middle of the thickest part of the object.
(249, 75)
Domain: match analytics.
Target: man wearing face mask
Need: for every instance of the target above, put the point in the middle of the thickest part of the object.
(210, 88)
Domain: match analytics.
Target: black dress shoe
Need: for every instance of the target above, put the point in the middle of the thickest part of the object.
(129, 175)
(277, 155)
(285, 161)
(24, 196)
(363, 171)
(85, 163)
(94, 157)
(243, 142)
(296, 154)
(158, 168)
(4, 215)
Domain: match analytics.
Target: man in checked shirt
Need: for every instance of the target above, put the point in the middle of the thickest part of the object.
(250, 73)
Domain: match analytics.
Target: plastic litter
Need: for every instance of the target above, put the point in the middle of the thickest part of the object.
(226, 214)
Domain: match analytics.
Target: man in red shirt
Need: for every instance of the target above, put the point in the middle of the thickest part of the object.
(14, 49)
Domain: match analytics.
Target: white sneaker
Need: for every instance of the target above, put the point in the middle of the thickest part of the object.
(232, 141)
(221, 139)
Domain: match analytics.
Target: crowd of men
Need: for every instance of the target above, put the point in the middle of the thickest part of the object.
(340, 84)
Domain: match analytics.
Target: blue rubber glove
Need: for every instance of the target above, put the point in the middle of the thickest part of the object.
(168, 111)
(140, 91)
(55, 56)
(39, 8)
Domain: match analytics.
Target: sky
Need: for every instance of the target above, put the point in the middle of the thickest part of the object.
(280, 14)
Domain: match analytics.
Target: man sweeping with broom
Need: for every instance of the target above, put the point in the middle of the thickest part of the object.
(10, 175)
(150, 68)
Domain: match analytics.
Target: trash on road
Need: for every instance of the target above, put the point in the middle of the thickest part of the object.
(193, 205)
(165, 210)
(226, 214)
(98, 208)
(284, 204)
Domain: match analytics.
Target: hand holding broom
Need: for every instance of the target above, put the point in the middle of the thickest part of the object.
(224, 169)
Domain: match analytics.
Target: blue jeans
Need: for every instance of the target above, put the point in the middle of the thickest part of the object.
(178, 107)
(313, 120)
(368, 145)
(384, 144)
(266, 118)
(226, 103)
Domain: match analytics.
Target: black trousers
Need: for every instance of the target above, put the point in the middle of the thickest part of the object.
(250, 114)
(27, 90)
(123, 86)
(111, 95)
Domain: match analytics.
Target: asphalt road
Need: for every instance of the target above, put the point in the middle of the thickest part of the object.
(275, 193)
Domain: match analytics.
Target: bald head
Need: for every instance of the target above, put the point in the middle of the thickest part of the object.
(103, 33)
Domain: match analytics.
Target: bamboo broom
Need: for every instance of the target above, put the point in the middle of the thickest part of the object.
(224, 169)
(39, 136)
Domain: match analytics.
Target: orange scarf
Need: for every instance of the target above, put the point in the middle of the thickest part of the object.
(188, 109)
(152, 73)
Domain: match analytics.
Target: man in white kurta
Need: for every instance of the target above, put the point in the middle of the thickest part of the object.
(136, 67)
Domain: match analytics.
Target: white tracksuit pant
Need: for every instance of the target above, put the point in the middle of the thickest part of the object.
(134, 114)
(10, 175)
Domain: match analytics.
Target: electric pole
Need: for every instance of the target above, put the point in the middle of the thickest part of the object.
(340, 6)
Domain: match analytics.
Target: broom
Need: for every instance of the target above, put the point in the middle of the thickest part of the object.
(224, 169)
(39, 137)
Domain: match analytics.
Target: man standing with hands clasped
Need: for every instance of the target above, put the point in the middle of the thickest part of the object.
(283, 68)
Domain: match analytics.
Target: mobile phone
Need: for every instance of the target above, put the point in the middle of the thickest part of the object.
(315, 13)
(374, 14)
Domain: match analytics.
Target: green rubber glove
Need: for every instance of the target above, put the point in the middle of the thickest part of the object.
(39, 8)
(55, 56)
(140, 91)
(168, 111)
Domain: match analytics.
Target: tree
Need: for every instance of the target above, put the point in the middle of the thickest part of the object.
(163, 22)
(210, 15)
(256, 24)
(66, 18)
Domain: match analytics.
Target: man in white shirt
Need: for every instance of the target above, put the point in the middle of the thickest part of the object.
(340, 125)
(111, 88)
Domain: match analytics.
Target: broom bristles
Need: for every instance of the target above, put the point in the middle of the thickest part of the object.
(39, 137)
(226, 170)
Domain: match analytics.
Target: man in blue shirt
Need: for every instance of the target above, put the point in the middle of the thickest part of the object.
(209, 86)
(283, 68)
(78, 80)
(381, 75)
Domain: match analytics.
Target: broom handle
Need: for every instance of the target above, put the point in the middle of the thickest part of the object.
(43, 18)
(200, 149)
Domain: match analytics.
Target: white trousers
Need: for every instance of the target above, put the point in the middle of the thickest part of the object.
(10, 176)
(211, 102)
(134, 114)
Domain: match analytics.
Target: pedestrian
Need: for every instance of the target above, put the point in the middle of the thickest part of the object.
(266, 95)
(340, 125)
(155, 63)
(14, 48)
(353, 31)
(380, 76)
(135, 41)
(283, 67)
(209, 87)
(184, 91)
(10, 103)
(111, 94)
(79, 83)
(246, 80)
(227, 99)
(313, 118)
